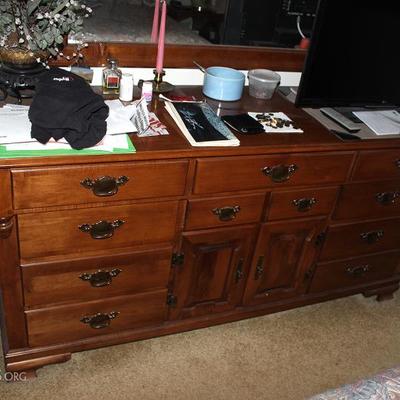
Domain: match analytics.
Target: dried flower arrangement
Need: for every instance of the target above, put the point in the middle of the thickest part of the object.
(39, 27)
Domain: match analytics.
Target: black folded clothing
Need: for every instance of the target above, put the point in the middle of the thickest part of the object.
(65, 106)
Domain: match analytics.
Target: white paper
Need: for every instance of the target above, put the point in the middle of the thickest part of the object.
(15, 126)
(119, 118)
(381, 122)
(109, 143)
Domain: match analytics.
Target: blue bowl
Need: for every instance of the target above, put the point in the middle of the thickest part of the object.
(221, 83)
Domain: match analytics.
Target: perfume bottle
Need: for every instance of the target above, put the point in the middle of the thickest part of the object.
(111, 78)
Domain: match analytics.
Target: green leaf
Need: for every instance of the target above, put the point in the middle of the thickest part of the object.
(32, 6)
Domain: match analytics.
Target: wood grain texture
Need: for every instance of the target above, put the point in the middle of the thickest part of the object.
(169, 208)
(60, 282)
(182, 56)
(202, 213)
(61, 324)
(284, 253)
(359, 200)
(377, 165)
(58, 233)
(347, 240)
(283, 203)
(338, 274)
(6, 206)
(230, 174)
(212, 277)
(11, 302)
(62, 186)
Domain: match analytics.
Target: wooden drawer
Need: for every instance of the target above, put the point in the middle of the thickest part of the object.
(61, 232)
(369, 200)
(301, 203)
(71, 322)
(241, 173)
(354, 272)
(224, 211)
(40, 187)
(344, 241)
(377, 165)
(96, 278)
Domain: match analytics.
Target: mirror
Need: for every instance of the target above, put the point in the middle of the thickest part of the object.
(235, 33)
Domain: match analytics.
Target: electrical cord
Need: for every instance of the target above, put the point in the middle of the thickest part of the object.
(298, 21)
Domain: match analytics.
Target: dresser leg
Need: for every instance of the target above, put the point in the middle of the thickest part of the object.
(23, 370)
(20, 376)
(382, 294)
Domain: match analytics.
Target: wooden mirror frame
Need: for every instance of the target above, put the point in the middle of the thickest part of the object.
(182, 56)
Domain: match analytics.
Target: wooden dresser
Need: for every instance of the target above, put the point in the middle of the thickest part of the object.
(100, 250)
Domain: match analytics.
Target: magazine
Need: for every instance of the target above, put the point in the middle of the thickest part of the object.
(200, 125)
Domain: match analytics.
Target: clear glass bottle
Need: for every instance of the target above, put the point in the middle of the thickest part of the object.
(111, 78)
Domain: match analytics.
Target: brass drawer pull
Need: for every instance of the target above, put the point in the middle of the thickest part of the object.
(226, 213)
(100, 320)
(239, 271)
(358, 271)
(387, 198)
(101, 229)
(6, 225)
(280, 173)
(304, 204)
(105, 185)
(373, 236)
(101, 278)
(259, 268)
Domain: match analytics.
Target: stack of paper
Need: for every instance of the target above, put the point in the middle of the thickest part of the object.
(15, 131)
(381, 122)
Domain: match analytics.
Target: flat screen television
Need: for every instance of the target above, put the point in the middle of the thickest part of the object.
(353, 59)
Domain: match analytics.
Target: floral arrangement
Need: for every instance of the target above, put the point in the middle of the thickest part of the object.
(40, 26)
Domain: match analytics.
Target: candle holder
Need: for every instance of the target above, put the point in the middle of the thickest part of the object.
(159, 86)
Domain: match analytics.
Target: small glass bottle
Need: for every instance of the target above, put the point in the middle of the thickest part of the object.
(111, 78)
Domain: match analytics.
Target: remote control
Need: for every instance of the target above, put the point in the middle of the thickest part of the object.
(341, 119)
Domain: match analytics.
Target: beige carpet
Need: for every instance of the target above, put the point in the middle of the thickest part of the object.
(285, 356)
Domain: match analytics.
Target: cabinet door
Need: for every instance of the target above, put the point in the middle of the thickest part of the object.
(284, 253)
(212, 276)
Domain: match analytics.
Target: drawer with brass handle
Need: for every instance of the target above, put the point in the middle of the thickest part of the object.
(45, 187)
(77, 321)
(369, 200)
(78, 231)
(95, 278)
(301, 203)
(377, 165)
(228, 174)
(347, 240)
(354, 272)
(224, 211)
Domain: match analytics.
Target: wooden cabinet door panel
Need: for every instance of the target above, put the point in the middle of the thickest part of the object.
(211, 278)
(284, 252)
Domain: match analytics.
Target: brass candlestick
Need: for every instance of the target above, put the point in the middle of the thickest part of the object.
(159, 86)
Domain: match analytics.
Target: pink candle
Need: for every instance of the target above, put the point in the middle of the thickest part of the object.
(161, 38)
(154, 31)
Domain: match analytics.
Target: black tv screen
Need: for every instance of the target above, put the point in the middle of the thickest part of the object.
(354, 57)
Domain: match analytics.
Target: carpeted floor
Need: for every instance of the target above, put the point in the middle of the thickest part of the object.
(285, 356)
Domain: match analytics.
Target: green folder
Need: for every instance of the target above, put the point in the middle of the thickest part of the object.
(4, 153)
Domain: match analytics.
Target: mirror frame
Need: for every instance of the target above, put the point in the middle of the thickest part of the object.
(182, 56)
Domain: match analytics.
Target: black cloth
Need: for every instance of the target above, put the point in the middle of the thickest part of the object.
(66, 106)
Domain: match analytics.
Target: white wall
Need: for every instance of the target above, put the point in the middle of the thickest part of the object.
(181, 76)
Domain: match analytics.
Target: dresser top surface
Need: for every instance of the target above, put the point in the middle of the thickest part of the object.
(315, 137)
